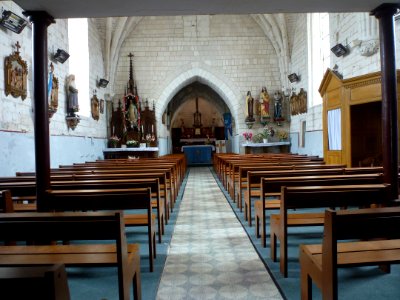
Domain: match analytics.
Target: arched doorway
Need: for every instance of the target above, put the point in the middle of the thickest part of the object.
(196, 114)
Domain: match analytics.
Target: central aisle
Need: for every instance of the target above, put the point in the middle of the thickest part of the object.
(210, 256)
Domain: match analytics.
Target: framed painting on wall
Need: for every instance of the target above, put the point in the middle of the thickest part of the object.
(16, 72)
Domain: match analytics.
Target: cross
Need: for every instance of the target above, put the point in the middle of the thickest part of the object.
(17, 45)
(131, 55)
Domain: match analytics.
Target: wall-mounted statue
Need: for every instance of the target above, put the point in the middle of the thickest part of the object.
(16, 71)
(250, 108)
(52, 91)
(72, 96)
(303, 101)
(264, 103)
(95, 106)
(278, 116)
(298, 103)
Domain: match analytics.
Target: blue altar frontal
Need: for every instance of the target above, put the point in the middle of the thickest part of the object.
(198, 154)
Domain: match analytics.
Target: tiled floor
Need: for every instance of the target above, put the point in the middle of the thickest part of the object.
(210, 256)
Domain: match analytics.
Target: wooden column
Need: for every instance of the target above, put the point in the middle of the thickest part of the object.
(385, 14)
(40, 21)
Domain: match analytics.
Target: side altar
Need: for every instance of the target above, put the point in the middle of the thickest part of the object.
(273, 147)
(148, 152)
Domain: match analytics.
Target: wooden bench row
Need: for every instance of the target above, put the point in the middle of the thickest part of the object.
(351, 238)
(96, 226)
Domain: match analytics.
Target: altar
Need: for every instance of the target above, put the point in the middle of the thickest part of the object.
(148, 152)
(273, 147)
(198, 154)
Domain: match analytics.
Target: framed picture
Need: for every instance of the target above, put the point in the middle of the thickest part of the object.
(102, 106)
(16, 72)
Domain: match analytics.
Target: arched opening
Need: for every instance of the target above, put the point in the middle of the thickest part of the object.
(196, 114)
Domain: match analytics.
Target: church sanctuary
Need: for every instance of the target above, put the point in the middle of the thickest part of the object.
(199, 150)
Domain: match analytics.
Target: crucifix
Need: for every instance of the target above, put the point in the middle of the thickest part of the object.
(17, 45)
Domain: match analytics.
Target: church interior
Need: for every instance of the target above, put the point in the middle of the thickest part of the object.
(183, 101)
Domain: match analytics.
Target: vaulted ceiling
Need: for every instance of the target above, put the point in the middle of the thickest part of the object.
(118, 8)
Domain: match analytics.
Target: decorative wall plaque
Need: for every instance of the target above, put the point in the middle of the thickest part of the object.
(95, 107)
(16, 72)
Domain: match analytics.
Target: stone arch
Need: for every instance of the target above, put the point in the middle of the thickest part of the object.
(220, 85)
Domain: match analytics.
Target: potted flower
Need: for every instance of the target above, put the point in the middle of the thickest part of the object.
(283, 135)
(267, 132)
(113, 141)
(132, 144)
(247, 136)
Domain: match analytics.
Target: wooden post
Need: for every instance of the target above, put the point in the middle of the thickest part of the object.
(40, 21)
(385, 14)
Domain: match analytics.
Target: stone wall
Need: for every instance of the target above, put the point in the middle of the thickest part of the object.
(16, 115)
(229, 53)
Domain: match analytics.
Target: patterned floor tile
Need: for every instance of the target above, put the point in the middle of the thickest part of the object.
(210, 255)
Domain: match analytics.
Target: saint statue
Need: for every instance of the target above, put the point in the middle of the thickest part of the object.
(250, 107)
(264, 99)
(278, 106)
(72, 95)
(132, 113)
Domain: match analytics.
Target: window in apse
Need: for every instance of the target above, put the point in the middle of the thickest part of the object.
(79, 61)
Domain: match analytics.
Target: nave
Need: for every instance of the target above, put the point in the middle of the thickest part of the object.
(211, 256)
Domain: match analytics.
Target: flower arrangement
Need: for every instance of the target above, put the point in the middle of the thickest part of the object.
(268, 132)
(113, 141)
(150, 138)
(283, 135)
(132, 144)
(247, 136)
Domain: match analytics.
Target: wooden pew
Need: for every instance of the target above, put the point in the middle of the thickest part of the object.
(298, 198)
(254, 179)
(26, 190)
(79, 173)
(271, 187)
(42, 282)
(107, 176)
(108, 199)
(99, 226)
(378, 230)
(6, 203)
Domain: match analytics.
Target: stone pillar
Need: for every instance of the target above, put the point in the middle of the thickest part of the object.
(40, 21)
(385, 14)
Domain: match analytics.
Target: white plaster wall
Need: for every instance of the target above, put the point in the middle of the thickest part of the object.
(17, 151)
(16, 115)
(346, 28)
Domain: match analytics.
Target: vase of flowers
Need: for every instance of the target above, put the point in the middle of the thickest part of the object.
(247, 137)
(132, 144)
(283, 135)
(267, 133)
(113, 141)
(150, 139)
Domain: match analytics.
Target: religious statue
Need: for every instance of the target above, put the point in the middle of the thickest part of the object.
(264, 103)
(302, 101)
(52, 90)
(132, 113)
(250, 107)
(72, 95)
(278, 106)
(293, 104)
